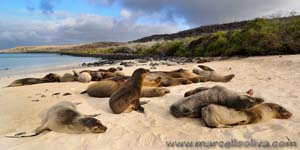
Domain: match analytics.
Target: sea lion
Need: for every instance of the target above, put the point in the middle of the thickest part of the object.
(63, 117)
(51, 77)
(191, 106)
(217, 116)
(105, 88)
(167, 80)
(212, 75)
(84, 77)
(68, 77)
(127, 97)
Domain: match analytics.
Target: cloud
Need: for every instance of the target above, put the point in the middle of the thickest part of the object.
(200, 12)
(76, 29)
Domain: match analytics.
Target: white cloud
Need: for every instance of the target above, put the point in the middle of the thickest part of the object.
(76, 29)
(125, 13)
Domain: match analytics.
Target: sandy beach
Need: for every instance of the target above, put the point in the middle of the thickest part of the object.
(275, 78)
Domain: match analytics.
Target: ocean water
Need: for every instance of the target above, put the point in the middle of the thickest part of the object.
(26, 61)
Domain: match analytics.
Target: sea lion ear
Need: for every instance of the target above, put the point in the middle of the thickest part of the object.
(205, 68)
(250, 92)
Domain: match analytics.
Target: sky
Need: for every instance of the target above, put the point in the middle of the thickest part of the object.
(46, 22)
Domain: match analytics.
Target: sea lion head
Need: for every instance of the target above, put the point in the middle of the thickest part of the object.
(140, 72)
(185, 108)
(96, 76)
(246, 101)
(280, 112)
(92, 125)
(52, 77)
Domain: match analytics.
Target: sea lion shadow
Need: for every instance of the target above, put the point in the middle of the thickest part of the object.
(98, 103)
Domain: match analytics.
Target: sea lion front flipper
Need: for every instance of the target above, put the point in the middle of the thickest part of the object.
(197, 90)
(205, 68)
(93, 115)
(140, 109)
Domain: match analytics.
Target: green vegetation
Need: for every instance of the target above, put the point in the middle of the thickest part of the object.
(257, 37)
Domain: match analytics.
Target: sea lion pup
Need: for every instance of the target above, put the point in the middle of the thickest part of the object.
(212, 75)
(191, 106)
(127, 97)
(51, 77)
(68, 77)
(63, 117)
(217, 116)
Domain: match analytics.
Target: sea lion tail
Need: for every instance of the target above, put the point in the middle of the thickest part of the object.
(83, 92)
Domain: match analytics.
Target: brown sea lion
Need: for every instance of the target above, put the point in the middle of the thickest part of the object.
(191, 106)
(218, 116)
(105, 88)
(63, 117)
(212, 75)
(127, 97)
(51, 77)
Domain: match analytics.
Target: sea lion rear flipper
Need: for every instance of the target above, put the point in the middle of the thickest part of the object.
(205, 68)
(20, 135)
(83, 92)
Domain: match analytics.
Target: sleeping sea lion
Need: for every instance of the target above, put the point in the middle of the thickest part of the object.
(51, 77)
(218, 116)
(63, 117)
(191, 106)
(212, 75)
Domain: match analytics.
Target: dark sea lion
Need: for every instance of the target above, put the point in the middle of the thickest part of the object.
(191, 106)
(51, 77)
(63, 117)
(212, 75)
(218, 116)
(127, 97)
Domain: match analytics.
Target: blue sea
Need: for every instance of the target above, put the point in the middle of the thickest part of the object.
(25, 61)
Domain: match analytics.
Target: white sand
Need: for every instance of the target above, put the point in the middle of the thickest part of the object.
(277, 79)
